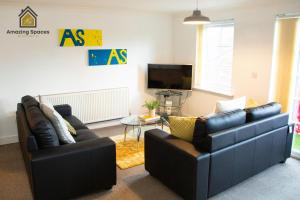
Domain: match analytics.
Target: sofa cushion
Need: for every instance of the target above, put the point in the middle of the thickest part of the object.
(59, 124)
(29, 101)
(41, 127)
(263, 111)
(215, 123)
(75, 122)
(182, 127)
(225, 120)
(32, 143)
(63, 109)
(85, 134)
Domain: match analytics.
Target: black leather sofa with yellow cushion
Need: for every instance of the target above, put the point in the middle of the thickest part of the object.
(227, 149)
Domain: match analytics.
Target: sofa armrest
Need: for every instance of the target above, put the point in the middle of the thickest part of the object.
(177, 164)
(64, 109)
(80, 167)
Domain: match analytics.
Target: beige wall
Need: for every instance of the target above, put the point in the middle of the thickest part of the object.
(253, 46)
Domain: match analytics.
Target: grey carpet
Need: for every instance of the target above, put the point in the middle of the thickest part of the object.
(280, 182)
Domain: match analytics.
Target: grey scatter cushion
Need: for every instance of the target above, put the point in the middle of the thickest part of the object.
(59, 124)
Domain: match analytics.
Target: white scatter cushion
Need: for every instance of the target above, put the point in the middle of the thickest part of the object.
(47, 104)
(43, 100)
(225, 106)
(59, 124)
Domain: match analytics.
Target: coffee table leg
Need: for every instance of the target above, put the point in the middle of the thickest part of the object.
(125, 132)
(139, 133)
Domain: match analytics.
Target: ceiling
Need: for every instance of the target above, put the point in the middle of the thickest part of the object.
(154, 5)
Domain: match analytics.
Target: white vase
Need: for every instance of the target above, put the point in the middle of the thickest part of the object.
(152, 113)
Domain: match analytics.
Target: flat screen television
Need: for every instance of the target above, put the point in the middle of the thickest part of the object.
(165, 76)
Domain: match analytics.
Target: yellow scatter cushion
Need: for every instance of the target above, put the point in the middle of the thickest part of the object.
(71, 129)
(251, 103)
(182, 127)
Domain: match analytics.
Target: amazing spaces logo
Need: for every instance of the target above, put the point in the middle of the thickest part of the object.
(27, 18)
(28, 24)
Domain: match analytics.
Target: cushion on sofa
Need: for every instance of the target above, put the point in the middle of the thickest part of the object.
(75, 122)
(63, 109)
(85, 134)
(71, 129)
(182, 127)
(263, 111)
(29, 101)
(251, 103)
(230, 105)
(218, 122)
(225, 120)
(59, 124)
(41, 127)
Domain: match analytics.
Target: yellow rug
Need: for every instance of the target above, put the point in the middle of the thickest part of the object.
(129, 153)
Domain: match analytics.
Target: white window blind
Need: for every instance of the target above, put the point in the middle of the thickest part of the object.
(217, 57)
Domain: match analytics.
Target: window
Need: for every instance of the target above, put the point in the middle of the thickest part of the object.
(217, 54)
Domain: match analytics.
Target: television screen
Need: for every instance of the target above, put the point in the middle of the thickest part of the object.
(162, 76)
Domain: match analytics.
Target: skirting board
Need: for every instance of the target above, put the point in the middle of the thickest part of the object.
(9, 139)
(14, 138)
(104, 124)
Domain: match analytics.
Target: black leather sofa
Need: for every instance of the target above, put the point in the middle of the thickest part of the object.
(226, 149)
(63, 171)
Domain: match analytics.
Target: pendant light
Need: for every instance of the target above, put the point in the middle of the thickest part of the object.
(196, 18)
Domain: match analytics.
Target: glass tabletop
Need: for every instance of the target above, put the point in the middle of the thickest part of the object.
(134, 120)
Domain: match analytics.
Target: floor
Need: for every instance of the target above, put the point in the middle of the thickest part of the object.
(280, 182)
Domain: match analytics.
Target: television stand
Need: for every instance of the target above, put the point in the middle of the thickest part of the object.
(170, 102)
(168, 93)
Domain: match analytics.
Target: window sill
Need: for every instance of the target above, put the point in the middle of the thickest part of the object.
(225, 94)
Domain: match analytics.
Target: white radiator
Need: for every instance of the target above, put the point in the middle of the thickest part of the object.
(95, 106)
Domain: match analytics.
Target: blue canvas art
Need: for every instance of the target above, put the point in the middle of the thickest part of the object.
(107, 57)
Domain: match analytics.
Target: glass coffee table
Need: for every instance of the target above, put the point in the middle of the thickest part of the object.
(134, 121)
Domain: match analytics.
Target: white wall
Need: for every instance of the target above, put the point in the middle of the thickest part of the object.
(253, 45)
(39, 66)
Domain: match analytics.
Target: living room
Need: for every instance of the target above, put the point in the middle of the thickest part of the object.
(50, 51)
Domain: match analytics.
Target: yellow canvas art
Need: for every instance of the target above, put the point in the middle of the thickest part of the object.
(79, 37)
